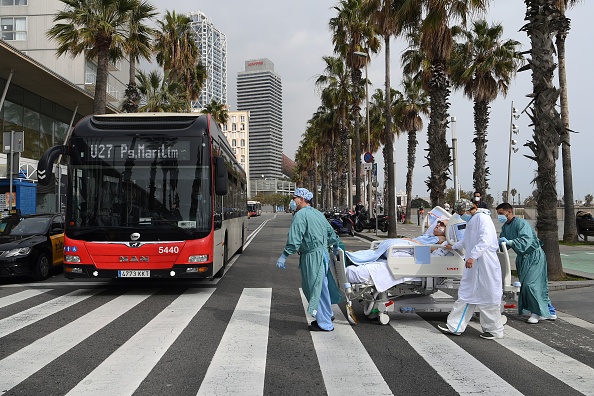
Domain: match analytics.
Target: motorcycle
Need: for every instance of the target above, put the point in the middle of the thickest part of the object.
(341, 223)
(361, 223)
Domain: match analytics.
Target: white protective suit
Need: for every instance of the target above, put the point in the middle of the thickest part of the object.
(481, 285)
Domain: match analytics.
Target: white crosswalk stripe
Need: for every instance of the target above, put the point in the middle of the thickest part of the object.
(123, 371)
(41, 311)
(24, 363)
(241, 356)
(237, 362)
(459, 368)
(341, 350)
(20, 296)
(573, 373)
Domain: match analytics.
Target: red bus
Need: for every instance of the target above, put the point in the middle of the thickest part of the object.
(150, 195)
(254, 208)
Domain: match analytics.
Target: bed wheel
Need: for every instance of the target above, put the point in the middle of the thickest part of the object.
(384, 319)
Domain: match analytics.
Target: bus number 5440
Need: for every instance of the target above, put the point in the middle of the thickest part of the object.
(168, 249)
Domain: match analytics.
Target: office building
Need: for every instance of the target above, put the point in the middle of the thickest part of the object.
(259, 91)
(237, 131)
(212, 45)
(24, 26)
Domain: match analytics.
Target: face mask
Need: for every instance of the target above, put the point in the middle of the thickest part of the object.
(501, 218)
(466, 217)
(293, 205)
(477, 199)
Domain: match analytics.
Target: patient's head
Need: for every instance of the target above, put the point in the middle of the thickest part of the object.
(439, 229)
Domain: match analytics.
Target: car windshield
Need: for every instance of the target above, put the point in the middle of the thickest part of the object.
(24, 226)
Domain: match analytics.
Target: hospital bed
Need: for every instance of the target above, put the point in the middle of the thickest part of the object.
(420, 277)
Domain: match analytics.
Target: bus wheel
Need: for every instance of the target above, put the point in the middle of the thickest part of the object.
(225, 259)
(240, 250)
(42, 267)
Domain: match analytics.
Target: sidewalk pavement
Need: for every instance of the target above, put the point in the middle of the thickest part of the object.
(571, 256)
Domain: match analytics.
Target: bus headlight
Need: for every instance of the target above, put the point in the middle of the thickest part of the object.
(199, 258)
(72, 259)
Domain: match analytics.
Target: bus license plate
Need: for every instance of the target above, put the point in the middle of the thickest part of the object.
(134, 274)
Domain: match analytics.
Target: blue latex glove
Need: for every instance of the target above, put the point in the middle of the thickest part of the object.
(335, 251)
(280, 263)
(508, 243)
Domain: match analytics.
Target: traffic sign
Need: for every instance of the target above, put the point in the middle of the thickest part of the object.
(367, 166)
(368, 157)
(375, 170)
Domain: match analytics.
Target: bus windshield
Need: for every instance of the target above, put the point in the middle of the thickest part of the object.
(159, 189)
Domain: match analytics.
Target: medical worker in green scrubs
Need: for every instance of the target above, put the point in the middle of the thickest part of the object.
(312, 236)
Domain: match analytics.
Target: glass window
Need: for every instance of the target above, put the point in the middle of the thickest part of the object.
(13, 2)
(242, 118)
(234, 142)
(32, 135)
(233, 127)
(242, 127)
(14, 28)
(233, 118)
(243, 142)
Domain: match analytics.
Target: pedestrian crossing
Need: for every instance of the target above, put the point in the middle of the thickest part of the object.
(238, 361)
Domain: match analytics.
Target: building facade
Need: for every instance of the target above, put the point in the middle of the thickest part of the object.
(24, 26)
(259, 91)
(237, 132)
(213, 55)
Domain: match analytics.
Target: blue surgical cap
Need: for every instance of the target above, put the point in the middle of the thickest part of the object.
(303, 193)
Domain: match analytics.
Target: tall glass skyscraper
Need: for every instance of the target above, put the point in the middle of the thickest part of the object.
(259, 91)
(213, 55)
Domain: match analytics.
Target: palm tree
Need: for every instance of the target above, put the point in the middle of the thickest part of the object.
(352, 34)
(219, 112)
(415, 102)
(158, 94)
(177, 52)
(97, 28)
(384, 14)
(436, 42)
(513, 194)
(483, 66)
(138, 46)
(569, 228)
(544, 18)
(335, 95)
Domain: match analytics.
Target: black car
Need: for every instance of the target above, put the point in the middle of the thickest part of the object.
(31, 245)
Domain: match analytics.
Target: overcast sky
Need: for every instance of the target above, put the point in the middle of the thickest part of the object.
(294, 35)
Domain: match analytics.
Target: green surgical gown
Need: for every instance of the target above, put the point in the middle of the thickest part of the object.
(531, 265)
(311, 235)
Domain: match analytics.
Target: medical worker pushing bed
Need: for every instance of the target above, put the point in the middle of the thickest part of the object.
(480, 286)
(312, 236)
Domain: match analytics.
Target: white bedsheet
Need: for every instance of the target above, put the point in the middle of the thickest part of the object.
(376, 273)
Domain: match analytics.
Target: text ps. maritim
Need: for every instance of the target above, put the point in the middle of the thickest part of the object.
(124, 151)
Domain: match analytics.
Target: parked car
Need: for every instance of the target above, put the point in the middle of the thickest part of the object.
(31, 245)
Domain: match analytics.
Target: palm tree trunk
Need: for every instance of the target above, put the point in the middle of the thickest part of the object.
(356, 77)
(389, 160)
(100, 101)
(412, 150)
(481, 122)
(548, 127)
(439, 152)
(569, 226)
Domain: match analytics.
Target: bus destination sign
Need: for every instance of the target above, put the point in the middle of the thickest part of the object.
(179, 150)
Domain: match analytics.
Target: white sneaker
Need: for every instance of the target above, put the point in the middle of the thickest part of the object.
(552, 317)
(534, 318)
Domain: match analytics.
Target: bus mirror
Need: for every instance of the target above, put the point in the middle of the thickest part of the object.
(220, 176)
(45, 165)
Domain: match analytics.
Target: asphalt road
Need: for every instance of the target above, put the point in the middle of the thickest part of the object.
(247, 334)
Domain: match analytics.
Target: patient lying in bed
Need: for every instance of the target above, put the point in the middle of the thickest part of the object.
(370, 266)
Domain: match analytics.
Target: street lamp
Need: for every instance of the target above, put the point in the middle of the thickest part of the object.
(513, 129)
(364, 55)
(455, 158)
(350, 177)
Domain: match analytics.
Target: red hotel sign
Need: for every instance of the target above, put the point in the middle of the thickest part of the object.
(256, 63)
